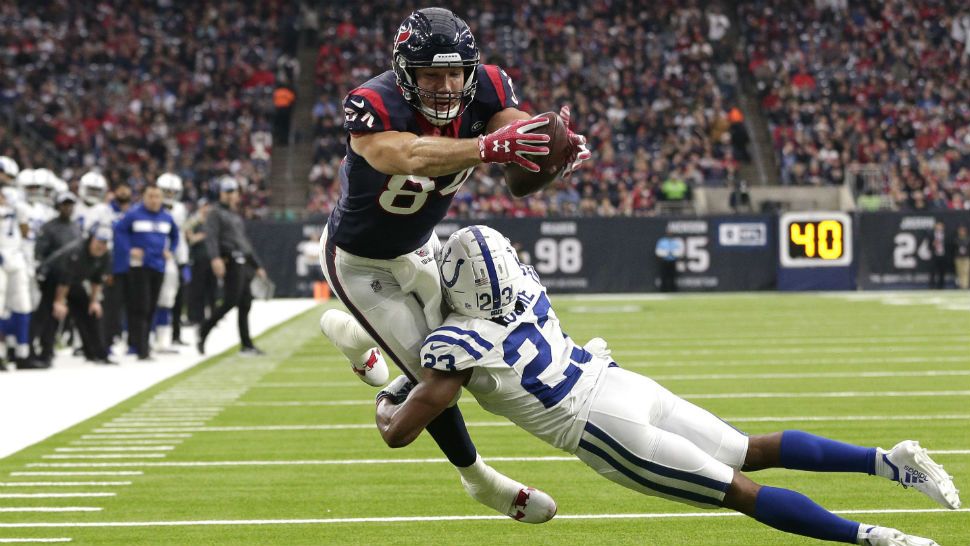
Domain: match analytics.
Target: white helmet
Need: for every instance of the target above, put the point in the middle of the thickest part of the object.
(51, 185)
(171, 186)
(92, 188)
(33, 184)
(480, 273)
(9, 167)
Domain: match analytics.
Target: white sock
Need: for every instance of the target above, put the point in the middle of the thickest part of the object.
(346, 334)
(883, 469)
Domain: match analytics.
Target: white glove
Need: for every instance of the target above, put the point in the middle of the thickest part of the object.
(397, 391)
(597, 347)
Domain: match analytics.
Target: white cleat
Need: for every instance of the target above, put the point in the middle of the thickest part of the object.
(371, 368)
(885, 536)
(509, 497)
(913, 467)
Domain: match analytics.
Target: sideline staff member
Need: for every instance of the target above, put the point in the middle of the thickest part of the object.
(233, 263)
(62, 277)
(144, 238)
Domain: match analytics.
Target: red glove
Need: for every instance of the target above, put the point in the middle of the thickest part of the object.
(580, 152)
(512, 143)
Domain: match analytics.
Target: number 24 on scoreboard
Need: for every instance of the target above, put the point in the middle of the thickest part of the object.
(815, 239)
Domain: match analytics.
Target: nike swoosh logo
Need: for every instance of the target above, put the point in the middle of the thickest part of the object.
(357, 104)
(434, 347)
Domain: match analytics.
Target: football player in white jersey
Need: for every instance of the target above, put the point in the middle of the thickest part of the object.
(504, 344)
(16, 277)
(92, 210)
(171, 186)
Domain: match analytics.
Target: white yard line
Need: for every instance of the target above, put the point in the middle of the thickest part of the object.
(489, 424)
(50, 509)
(105, 456)
(813, 375)
(407, 519)
(346, 462)
(109, 443)
(62, 484)
(94, 473)
(112, 448)
(111, 436)
(34, 540)
(53, 495)
(785, 350)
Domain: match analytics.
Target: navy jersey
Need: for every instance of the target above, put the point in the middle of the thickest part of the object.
(383, 216)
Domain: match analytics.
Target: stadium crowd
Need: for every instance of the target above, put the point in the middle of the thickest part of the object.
(654, 91)
(883, 86)
(138, 89)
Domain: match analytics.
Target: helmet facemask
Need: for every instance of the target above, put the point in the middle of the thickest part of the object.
(435, 38)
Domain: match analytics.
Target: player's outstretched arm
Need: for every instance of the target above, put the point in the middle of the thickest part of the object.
(401, 421)
(396, 152)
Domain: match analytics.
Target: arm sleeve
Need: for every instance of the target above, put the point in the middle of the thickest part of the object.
(444, 351)
(365, 112)
(213, 224)
(173, 238)
(122, 240)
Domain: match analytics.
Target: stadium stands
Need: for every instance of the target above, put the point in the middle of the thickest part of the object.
(138, 89)
(881, 89)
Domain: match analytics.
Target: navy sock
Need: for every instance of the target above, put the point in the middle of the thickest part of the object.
(804, 451)
(449, 432)
(793, 512)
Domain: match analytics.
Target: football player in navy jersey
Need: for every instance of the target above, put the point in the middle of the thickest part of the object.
(416, 132)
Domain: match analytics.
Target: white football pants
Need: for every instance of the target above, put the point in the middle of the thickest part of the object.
(642, 436)
(397, 302)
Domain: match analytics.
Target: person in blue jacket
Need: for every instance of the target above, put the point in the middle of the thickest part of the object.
(144, 238)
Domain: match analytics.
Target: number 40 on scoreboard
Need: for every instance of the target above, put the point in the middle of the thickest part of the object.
(815, 239)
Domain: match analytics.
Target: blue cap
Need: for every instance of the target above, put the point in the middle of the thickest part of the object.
(228, 183)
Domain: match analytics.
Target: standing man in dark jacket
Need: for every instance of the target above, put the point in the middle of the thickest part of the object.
(233, 263)
(60, 231)
(144, 238)
(62, 277)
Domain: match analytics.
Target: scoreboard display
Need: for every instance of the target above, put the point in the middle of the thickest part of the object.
(815, 239)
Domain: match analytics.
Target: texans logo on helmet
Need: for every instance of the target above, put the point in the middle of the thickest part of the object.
(403, 34)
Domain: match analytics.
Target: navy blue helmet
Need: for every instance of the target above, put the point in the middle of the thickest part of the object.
(435, 37)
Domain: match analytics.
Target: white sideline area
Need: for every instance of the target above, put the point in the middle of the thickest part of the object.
(35, 404)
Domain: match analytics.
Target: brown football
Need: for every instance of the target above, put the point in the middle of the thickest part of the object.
(522, 182)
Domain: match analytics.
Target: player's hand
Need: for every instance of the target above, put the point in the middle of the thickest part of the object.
(167, 254)
(137, 256)
(514, 142)
(396, 391)
(59, 311)
(218, 268)
(95, 309)
(580, 152)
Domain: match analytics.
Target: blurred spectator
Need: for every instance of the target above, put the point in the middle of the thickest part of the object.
(938, 262)
(961, 257)
(740, 199)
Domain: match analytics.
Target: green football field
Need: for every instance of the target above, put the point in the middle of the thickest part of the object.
(282, 449)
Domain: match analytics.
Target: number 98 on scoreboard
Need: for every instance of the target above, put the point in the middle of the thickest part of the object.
(815, 239)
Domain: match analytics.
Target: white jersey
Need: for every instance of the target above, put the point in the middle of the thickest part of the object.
(525, 368)
(89, 217)
(38, 214)
(11, 216)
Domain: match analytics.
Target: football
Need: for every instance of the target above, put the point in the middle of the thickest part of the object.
(522, 182)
